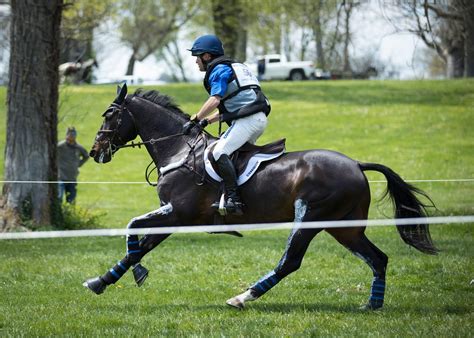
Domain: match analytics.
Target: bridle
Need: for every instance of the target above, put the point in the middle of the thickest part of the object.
(115, 134)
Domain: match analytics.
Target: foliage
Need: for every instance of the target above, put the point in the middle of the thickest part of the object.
(79, 19)
(147, 26)
(82, 16)
(231, 20)
(75, 217)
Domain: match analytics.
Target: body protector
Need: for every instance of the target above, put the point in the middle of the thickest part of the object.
(243, 79)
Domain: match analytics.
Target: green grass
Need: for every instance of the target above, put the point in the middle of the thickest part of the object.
(421, 129)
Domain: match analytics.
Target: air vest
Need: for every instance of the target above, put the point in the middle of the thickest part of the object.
(245, 80)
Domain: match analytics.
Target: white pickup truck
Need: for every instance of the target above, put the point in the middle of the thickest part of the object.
(276, 67)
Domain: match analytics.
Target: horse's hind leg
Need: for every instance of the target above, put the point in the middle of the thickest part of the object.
(136, 249)
(298, 242)
(355, 241)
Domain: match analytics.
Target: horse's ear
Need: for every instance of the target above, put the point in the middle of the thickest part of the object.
(121, 93)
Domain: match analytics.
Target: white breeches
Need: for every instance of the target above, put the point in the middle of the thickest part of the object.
(247, 129)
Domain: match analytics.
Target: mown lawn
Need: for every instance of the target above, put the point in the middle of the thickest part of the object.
(421, 129)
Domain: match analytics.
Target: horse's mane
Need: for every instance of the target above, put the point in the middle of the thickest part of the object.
(160, 99)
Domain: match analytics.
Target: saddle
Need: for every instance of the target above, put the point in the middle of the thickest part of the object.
(246, 159)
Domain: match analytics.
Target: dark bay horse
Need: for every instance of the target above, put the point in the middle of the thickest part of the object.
(313, 185)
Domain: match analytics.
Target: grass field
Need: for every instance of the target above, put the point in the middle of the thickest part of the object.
(421, 129)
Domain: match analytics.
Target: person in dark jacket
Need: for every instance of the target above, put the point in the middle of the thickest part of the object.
(71, 156)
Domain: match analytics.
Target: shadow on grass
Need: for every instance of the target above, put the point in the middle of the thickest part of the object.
(288, 308)
(353, 308)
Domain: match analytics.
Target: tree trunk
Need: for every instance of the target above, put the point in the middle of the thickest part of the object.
(318, 35)
(241, 53)
(347, 38)
(30, 152)
(455, 62)
(131, 64)
(468, 19)
(226, 24)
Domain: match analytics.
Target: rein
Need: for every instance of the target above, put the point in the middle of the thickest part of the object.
(192, 145)
(192, 168)
(150, 141)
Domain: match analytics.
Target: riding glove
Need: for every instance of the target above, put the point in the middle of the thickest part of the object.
(203, 123)
(188, 126)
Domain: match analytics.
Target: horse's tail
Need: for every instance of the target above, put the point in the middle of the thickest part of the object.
(407, 205)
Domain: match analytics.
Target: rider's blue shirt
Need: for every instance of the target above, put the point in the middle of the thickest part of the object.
(219, 79)
(220, 86)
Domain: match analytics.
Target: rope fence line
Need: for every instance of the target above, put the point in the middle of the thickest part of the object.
(140, 182)
(237, 227)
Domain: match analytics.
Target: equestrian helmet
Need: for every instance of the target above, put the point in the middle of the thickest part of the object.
(207, 44)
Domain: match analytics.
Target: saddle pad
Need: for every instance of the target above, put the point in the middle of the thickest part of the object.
(247, 170)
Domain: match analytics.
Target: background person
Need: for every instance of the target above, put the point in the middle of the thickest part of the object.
(71, 155)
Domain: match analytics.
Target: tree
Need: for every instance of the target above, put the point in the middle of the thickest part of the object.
(348, 10)
(79, 19)
(147, 26)
(312, 17)
(446, 28)
(269, 27)
(32, 100)
(173, 57)
(231, 19)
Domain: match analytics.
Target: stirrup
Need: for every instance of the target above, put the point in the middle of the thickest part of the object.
(234, 207)
(224, 208)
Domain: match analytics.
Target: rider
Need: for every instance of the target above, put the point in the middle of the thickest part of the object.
(236, 92)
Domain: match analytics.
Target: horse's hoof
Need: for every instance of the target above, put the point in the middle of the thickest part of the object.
(235, 302)
(96, 285)
(140, 273)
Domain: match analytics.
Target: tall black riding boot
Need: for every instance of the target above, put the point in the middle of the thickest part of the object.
(227, 171)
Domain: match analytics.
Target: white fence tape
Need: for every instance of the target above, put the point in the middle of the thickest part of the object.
(145, 183)
(236, 227)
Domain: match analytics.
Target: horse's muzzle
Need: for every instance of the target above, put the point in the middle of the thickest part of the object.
(100, 153)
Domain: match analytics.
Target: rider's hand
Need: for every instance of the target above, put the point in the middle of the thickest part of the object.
(188, 126)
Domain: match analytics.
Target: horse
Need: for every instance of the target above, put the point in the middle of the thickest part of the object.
(311, 185)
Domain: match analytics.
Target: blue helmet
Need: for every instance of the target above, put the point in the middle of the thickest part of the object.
(207, 44)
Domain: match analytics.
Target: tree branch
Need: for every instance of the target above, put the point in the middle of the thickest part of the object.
(441, 13)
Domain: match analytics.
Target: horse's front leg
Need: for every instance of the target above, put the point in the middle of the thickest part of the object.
(136, 249)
